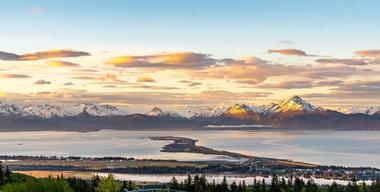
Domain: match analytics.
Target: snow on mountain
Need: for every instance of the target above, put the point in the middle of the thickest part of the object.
(9, 109)
(92, 109)
(203, 111)
(368, 110)
(158, 112)
(238, 109)
(43, 111)
(48, 111)
(293, 104)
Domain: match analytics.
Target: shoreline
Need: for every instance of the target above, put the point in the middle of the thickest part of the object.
(147, 179)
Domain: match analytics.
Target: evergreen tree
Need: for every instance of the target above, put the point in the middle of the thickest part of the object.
(2, 174)
(233, 187)
(95, 182)
(333, 187)
(298, 185)
(311, 186)
(108, 184)
(8, 175)
(244, 186)
(174, 184)
(256, 186)
(240, 187)
(224, 185)
(274, 187)
(263, 186)
(188, 184)
(131, 185)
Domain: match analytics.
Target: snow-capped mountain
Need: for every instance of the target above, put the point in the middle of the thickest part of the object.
(48, 111)
(243, 112)
(92, 109)
(294, 104)
(203, 112)
(43, 111)
(9, 109)
(158, 112)
(368, 110)
(238, 109)
(291, 113)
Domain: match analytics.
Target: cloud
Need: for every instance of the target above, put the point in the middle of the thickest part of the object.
(374, 54)
(57, 63)
(325, 72)
(190, 83)
(136, 98)
(84, 77)
(87, 70)
(352, 90)
(145, 79)
(287, 42)
(42, 82)
(300, 84)
(165, 60)
(42, 55)
(359, 88)
(329, 83)
(8, 56)
(152, 87)
(368, 53)
(249, 69)
(68, 84)
(292, 52)
(343, 61)
(288, 85)
(15, 76)
(101, 79)
(109, 86)
(110, 77)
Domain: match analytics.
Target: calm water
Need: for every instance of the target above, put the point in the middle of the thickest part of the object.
(348, 148)
(217, 178)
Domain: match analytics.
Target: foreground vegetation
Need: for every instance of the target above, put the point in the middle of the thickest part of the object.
(200, 184)
(14, 182)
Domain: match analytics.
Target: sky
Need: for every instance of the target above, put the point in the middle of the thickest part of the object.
(188, 53)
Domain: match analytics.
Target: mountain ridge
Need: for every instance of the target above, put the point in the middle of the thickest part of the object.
(290, 113)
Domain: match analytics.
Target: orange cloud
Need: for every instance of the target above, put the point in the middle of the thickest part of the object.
(57, 63)
(145, 79)
(250, 69)
(295, 52)
(110, 77)
(166, 60)
(16, 76)
(374, 54)
(121, 61)
(368, 53)
(42, 55)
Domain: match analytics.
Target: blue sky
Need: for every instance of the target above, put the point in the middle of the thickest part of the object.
(223, 28)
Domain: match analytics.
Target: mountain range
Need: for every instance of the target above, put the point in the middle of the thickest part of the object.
(293, 113)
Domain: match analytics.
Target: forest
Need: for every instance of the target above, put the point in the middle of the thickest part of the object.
(15, 182)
